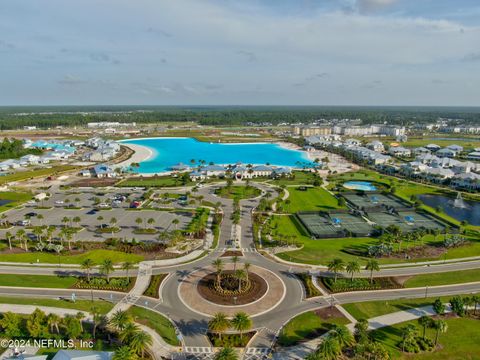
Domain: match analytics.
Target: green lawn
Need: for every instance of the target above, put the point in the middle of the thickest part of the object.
(306, 325)
(446, 278)
(460, 342)
(157, 322)
(370, 309)
(83, 305)
(96, 255)
(417, 142)
(39, 281)
(312, 199)
(16, 199)
(155, 181)
(321, 251)
(24, 175)
(298, 178)
(238, 192)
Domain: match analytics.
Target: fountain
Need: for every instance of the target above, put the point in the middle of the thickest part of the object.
(459, 203)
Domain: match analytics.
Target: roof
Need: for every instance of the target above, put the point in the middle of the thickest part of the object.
(102, 169)
(84, 355)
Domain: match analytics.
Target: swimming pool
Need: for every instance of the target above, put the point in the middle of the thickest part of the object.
(168, 152)
(360, 185)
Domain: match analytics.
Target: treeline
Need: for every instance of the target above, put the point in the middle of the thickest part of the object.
(13, 148)
(45, 117)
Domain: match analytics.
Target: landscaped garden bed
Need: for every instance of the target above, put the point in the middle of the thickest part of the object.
(359, 284)
(230, 340)
(229, 292)
(122, 284)
(153, 288)
(307, 282)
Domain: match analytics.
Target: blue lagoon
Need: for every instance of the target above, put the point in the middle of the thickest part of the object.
(168, 152)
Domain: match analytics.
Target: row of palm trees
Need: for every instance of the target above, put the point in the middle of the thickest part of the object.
(242, 275)
(220, 323)
(352, 267)
(106, 267)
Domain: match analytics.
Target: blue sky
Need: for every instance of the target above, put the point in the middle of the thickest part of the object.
(283, 52)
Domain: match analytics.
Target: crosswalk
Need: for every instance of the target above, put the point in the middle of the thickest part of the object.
(222, 250)
(205, 353)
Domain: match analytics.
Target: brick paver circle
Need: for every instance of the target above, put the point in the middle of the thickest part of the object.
(189, 295)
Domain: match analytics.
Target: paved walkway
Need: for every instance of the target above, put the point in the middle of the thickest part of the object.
(302, 350)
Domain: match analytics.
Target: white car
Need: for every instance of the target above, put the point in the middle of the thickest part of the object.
(59, 202)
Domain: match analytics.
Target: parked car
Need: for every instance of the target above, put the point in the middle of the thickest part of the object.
(23, 222)
(31, 214)
(59, 202)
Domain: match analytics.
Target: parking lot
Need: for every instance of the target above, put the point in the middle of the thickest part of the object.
(95, 209)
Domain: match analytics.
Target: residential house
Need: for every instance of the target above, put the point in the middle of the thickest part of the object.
(433, 147)
(475, 155)
(83, 355)
(376, 146)
(103, 171)
(446, 152)
(421, 151)
(468, 181)
(399, 151)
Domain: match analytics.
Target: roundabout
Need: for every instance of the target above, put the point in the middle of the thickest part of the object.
(208, 291)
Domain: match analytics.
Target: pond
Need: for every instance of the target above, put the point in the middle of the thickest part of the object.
(471, 213)
(4, 202)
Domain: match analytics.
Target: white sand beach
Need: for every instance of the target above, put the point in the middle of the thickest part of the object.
(141, 153)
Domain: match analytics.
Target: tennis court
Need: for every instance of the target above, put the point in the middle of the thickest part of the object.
(373, 200)
(419, 220)
(323, 226)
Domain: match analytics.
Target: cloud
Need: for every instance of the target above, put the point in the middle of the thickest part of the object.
(160, 32)
(370, 6)
(103, 57)
(71, 80)
(250, 55)
(472, 57)
(6, 45)
(311, 78)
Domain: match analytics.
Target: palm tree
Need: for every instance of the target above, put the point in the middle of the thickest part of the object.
(329, 349)
(124, 353)
(235, 261)
(424, 321)
(106, 267)
(352, 268)
(127, 265)
(241, 322)
(151, 221)
(408, 334)
(240, 275)
(219, 324)
(80, 316)
(127, 332)
(53, 321)
(69, 237)
(20, 235)
(372, 265)
(87, 264)
(76, 220)
(175, 222)
(335, 266)
(9, 235)
(139, 221)
(97, 317)
(226, 354)
(140, 341)
(113, 223)
(40, 217)
(119, 320)
(218, 264)
(246, 267)
(441, 327)
(342, 335)
(65, 220)
(100, 218)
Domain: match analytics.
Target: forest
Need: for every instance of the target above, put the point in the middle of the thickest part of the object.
(45, 117)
